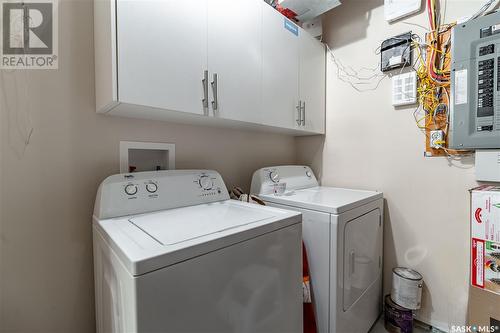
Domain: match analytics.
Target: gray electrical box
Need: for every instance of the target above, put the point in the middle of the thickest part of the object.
(475, 84)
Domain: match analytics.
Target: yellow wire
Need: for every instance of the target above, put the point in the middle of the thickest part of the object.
(427, 88)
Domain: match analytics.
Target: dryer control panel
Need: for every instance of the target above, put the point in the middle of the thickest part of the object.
(144, 192)
(293, 177)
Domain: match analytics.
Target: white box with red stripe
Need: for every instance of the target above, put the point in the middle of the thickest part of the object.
(485, 238)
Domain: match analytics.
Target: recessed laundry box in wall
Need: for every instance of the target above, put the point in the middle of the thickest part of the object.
(146, 156)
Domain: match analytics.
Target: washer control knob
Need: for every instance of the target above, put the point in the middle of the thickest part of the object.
(308, 174)
(131, 189)
(151, 187)
(206, 182)
(274, 176)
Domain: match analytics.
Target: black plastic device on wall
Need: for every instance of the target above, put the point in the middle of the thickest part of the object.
(395, 52)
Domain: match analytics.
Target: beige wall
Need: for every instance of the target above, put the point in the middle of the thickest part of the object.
(48, 187)
(371, 145)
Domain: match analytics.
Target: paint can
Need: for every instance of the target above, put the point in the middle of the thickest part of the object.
(407, 287)
(396, 318)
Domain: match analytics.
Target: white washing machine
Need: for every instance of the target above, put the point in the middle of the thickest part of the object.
(172, 253)
(342, 232)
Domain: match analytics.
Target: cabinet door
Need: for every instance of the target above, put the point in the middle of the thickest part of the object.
(162, 53)
(235, 55)
(312, 82)
(280, 84)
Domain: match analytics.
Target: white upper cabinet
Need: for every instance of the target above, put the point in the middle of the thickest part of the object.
(235, 57)
(236, 63)
(312, 84)
(162, 53)
(280, 72)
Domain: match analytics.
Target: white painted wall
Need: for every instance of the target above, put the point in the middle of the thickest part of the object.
(371, 145)
(47, 187)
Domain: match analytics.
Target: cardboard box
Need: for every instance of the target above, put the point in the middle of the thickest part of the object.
(485, 238)
(484, 308)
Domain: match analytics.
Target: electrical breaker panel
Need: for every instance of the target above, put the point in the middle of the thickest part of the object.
(475, 84)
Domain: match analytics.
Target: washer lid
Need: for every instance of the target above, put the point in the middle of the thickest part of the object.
(332, 200)
(148, 242)
(179, 225)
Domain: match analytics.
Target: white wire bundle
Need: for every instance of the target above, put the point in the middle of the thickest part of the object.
(483, 9)
(354, 78)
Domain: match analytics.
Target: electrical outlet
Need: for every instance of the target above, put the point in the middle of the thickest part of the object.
(436, 139)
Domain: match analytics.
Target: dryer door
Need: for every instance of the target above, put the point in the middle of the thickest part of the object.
(362, 255)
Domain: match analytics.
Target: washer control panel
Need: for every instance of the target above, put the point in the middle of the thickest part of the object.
(143, 192)
(133, 189)
(207, 184)
(151, 187)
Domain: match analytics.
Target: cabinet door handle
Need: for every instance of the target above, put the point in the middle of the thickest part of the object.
(215, 102)
(204, 81)
(303, 113)
(299, 113)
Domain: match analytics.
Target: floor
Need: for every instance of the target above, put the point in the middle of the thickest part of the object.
(379, 327)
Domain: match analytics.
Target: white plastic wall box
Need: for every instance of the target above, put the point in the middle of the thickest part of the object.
(488, 165)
